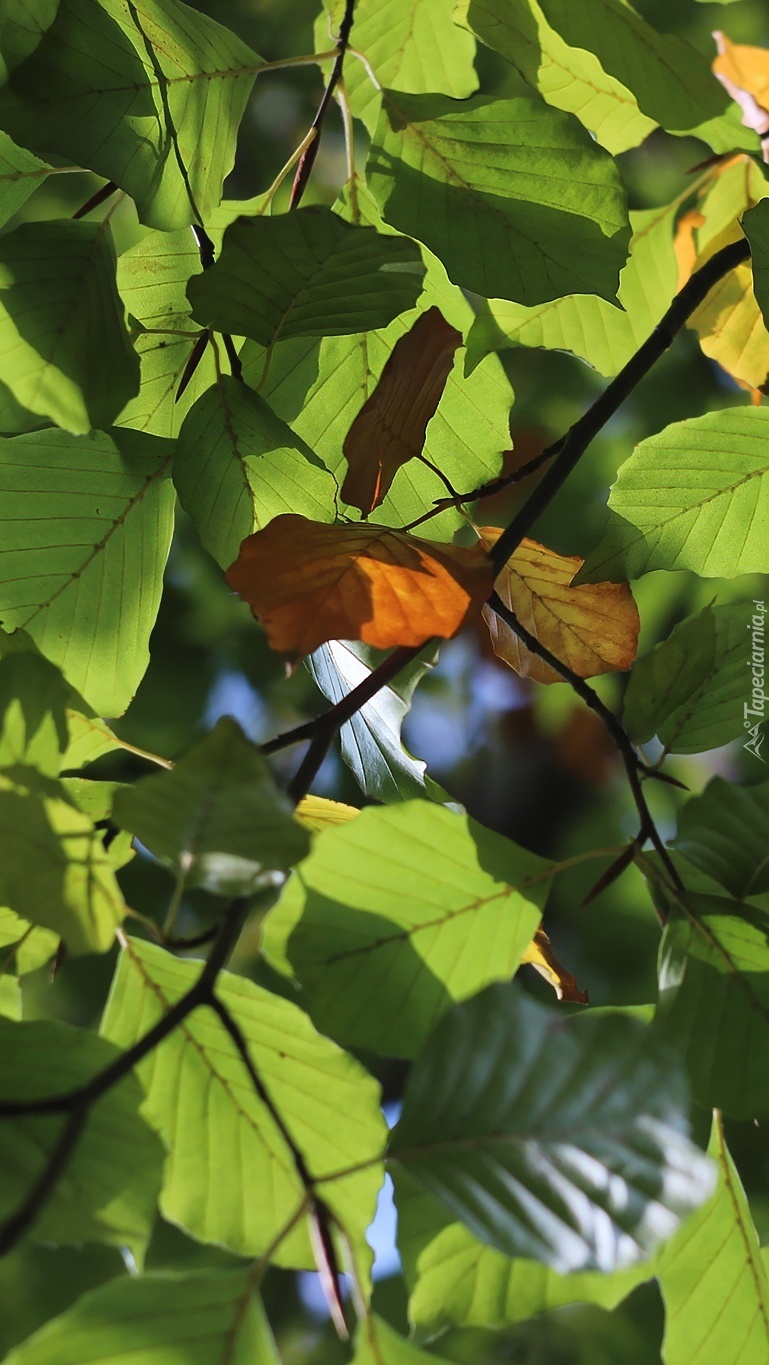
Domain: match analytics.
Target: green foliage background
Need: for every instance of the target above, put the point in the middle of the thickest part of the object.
(336, 985)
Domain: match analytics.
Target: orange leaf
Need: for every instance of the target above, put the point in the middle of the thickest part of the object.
(685, 246)
(308, 583)
(540, 955)
(592, 628)
(744, 73)
(390, 427)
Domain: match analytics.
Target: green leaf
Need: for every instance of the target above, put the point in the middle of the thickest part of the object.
(237, 465)
(152, 278)
(456, 1280)
(570, 78)
(371, 741)
(20, 175)
(31, 946)
(63, 340)
(560, 1139)
(319, 387)
(33, 714)
(713, 1278)
(108, 1190)
(384, 935)
(672, 82)
(755, 225)
(410, 45)
(10, 997)
(86, 526)
(303, 274)
(217, 819)
(714, 1000)
(55, 871)
(22, 25)
(585, 325)
(149, 96)
(206, 1316)
(376, 1343)
(691, 689)
(230, 1178)
(723, 831)
(514, 197)
(696, 496)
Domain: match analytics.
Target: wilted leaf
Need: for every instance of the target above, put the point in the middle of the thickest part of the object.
(591, 632)
(391, 426)
(308, 583)
(541, 957)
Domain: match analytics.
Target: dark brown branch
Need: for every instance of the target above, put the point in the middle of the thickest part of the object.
(307, 159)
(102, 194)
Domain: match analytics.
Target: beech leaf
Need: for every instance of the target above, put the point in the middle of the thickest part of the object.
(744, 74)
(541, 957)
(309, 583)
(391, 426)
(592, 633)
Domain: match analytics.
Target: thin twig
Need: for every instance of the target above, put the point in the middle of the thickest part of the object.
(307, 159)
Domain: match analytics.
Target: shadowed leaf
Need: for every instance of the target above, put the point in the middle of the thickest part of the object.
(308, 583)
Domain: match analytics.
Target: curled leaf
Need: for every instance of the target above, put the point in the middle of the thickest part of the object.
(591, 632)
(541, 957)
(391, 426)
(309, 583)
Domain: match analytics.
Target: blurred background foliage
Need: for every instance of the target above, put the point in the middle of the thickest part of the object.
(527, 761)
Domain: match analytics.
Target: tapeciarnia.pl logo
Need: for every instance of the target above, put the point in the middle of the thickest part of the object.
(758, 697)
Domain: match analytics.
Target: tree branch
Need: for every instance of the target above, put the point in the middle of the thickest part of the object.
(307, 159)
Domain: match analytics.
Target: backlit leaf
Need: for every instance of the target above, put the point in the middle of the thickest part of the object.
(230, 1178)
(592, 628)
(63, 343)
(390, 428)
(592, 1171)
(723, 831)
(308, 273)
(33, 712)
(308, 583)
(696, 496)
(22, 25)
(376, 1343)
(86, 524)
(714, 1000)
(205, 1316)
(399, 913)
(217, 819)
(237, 466)
(108, 1190)
(318, 813)
(691, 689)
(20, 175)
(541, 957)
(713, 1278)
(148, 95)
(744, 73)
(485, 205)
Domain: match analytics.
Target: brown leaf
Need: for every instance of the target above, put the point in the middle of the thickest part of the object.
(592, 628)
(540, 955)
(744, 74)
(308, 583)
(390, 427)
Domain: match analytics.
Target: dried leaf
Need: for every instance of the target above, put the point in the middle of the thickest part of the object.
(309, 583)
(391, 426)
(744, 74)
(591, 632)
(540, 955)
(685, 245)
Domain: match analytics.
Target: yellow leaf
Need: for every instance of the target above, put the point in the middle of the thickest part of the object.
(391, 426)
(308, 583)
(592, 628)
(317, 813)
(540, 955)
(744, 73)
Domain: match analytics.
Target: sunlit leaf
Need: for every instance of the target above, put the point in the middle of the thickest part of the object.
(308, 583)
(384, 936)
(86, 525)
(63, 342)
(723, 831)
(230, 1178)
(33, 712)
(208, 1316)
(148, 95)
(479, 167)
(23, 946)
(237, 466)
(592, 628)
(108, 1189)
(391, 426)
(691, 689)
(541, 957)
(218, 819)
(744, 73)
(377, 1343)
(20, 175)
(713, 1278)
(305, 274)
(696, 496)
(318, 813)
(591, 1173)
